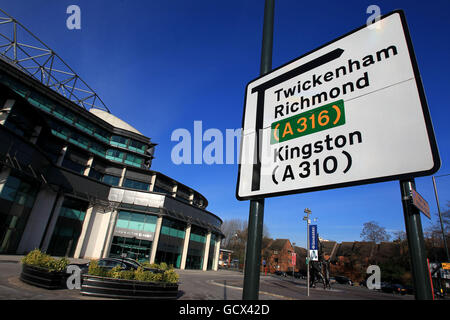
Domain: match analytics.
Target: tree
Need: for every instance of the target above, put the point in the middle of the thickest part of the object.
(236, 232)
(374, 233)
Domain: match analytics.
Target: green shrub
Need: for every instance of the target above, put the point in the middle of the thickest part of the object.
(39, 259)
(170, 276)
(163, 266)
(127, 275)
(95, 270)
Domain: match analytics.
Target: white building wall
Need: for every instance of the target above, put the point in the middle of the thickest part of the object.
(96, 235)
(37, 221)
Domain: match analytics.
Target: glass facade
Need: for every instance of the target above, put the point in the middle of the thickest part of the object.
(16, 200)
(196, 249)
(119, 141)
(133, 184)
(68, 228)
(89, 131)
(170, 244)
(112, 180)
(133, 235)
(161, 190)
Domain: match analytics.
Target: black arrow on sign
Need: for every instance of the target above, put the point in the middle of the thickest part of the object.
(330, 56)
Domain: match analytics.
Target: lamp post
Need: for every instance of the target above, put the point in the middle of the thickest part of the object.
(308, 221)
(440, 216)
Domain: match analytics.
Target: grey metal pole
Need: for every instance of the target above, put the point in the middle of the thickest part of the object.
(308, 212)
(440, 219)
(307, 255)
(256, 215)
(416, 244)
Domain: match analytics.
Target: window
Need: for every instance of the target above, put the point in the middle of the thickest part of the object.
(37, 102)
(79, 140)
(19, 192)
(98, 149)
(134, 160)
(119, 141)
(72, 165)
(61, 113)
(112, 180)
(133, 184)
(102, 135)
(198, 238)
(85, 126)
(161, 190)
(173, 228)
(60, 130)
(95, 174)
(115, 155)
(137, 146)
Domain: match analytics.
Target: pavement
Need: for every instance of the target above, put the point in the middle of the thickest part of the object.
(195, 285)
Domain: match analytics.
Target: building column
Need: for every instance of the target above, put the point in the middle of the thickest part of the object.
(40, 214)
(4, 174)
(52, 222)
(187, 236)
(216, 255)
(61, 156)
(109, 236)
(156, 239)
(81, 239)
(88, 166)
(174, 191)
(152, 184)
(206, 252)
(122, 176)
(6, 110)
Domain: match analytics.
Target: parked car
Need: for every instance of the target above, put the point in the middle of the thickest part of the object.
(343, 280)
(398, 288)
(109, 263)
(332, 280)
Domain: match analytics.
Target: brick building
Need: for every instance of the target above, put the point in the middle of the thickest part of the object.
(278, 256)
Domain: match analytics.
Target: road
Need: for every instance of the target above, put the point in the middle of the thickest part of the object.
(199, 285)
(227, 285)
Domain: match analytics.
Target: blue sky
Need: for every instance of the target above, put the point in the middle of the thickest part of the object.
(161, 65)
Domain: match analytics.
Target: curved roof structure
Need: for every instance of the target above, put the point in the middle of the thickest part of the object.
(113, 120)
(22, 49)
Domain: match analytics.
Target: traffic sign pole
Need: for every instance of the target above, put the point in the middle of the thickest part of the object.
(416, 244)
(256, 215)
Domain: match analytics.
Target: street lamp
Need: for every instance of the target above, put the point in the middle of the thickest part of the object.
(308, 221)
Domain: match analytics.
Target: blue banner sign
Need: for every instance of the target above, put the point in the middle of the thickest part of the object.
(313, 237)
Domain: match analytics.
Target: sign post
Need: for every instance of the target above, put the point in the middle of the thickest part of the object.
(256, 215)
(416, 243)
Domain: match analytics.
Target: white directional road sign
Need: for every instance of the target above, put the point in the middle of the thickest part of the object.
(349, 113)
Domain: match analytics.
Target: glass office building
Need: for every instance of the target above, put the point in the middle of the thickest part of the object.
(78, 182)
